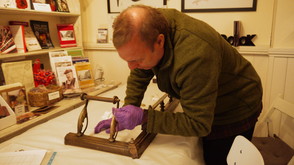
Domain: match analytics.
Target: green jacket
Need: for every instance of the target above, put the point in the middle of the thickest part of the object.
(214, 83)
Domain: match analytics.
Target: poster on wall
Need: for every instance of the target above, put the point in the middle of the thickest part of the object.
(116, 6)
(102, 35)
(217, 5)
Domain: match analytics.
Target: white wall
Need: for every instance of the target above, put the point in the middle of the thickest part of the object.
(258, 22)
(272, 57)
(114, 68)
(283, 25)
(273, 21)
(94, 15)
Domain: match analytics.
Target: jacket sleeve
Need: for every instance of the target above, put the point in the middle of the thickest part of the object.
(137, 83)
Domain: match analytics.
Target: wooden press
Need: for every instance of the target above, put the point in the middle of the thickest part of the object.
(134, 148)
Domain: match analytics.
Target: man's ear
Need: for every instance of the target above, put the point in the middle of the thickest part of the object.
(160, 40)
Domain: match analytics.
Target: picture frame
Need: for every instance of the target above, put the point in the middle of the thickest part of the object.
(189, 6)
(116, 6)
(15, 96)
(102, 35)
(7, 116)
(16, 99)
(19, 72)
(62, 6)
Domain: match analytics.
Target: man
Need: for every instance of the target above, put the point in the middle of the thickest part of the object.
(70, 80)
(220, 92)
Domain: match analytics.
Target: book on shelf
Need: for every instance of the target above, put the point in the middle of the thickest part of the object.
(7, 116)
(19, 38)
(31, 42)
(54, 54)
(53, 4)
(2, 80)
(77, 56)
(76, 60)
(40, 5)
(75, 52)
(62, 6)
(56, 57)
(84, 73)
(67, 77)
(66, 35)
(20, 71)
(25, 24)
(42, 33)
(64, 70)
(7, 44)
(16, 97)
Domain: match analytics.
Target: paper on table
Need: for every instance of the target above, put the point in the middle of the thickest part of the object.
(31, 157)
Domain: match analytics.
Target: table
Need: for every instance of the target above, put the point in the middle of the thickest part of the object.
(165, 149)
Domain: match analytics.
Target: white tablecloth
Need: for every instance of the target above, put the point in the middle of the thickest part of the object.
(165, 149)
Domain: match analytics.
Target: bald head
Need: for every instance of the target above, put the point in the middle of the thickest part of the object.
(136, 13)
(138, 20)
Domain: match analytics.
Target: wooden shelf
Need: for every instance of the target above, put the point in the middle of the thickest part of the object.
(35, 12)
(63, 106)
(34, 53)
(52, 17)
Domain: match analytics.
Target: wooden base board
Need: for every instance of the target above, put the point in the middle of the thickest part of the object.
(133, 149)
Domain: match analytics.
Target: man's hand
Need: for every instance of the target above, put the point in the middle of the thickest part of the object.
(127, 117)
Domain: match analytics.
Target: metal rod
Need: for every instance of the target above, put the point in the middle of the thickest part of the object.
(82, 117)
(113, 100)
(113, 132)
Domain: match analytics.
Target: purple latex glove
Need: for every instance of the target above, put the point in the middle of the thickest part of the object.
(127, 117)
(105, 125)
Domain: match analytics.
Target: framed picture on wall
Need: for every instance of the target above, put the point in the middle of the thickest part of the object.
(218, 5)
(116, 6)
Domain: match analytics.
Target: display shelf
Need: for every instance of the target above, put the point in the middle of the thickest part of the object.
(14, 11)
(63, 106)
(53, 18)
(34, 53)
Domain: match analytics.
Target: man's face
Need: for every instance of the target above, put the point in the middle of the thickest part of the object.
(69, 75)
(138, 55)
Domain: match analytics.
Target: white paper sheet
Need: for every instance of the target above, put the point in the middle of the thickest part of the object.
(30, 157)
